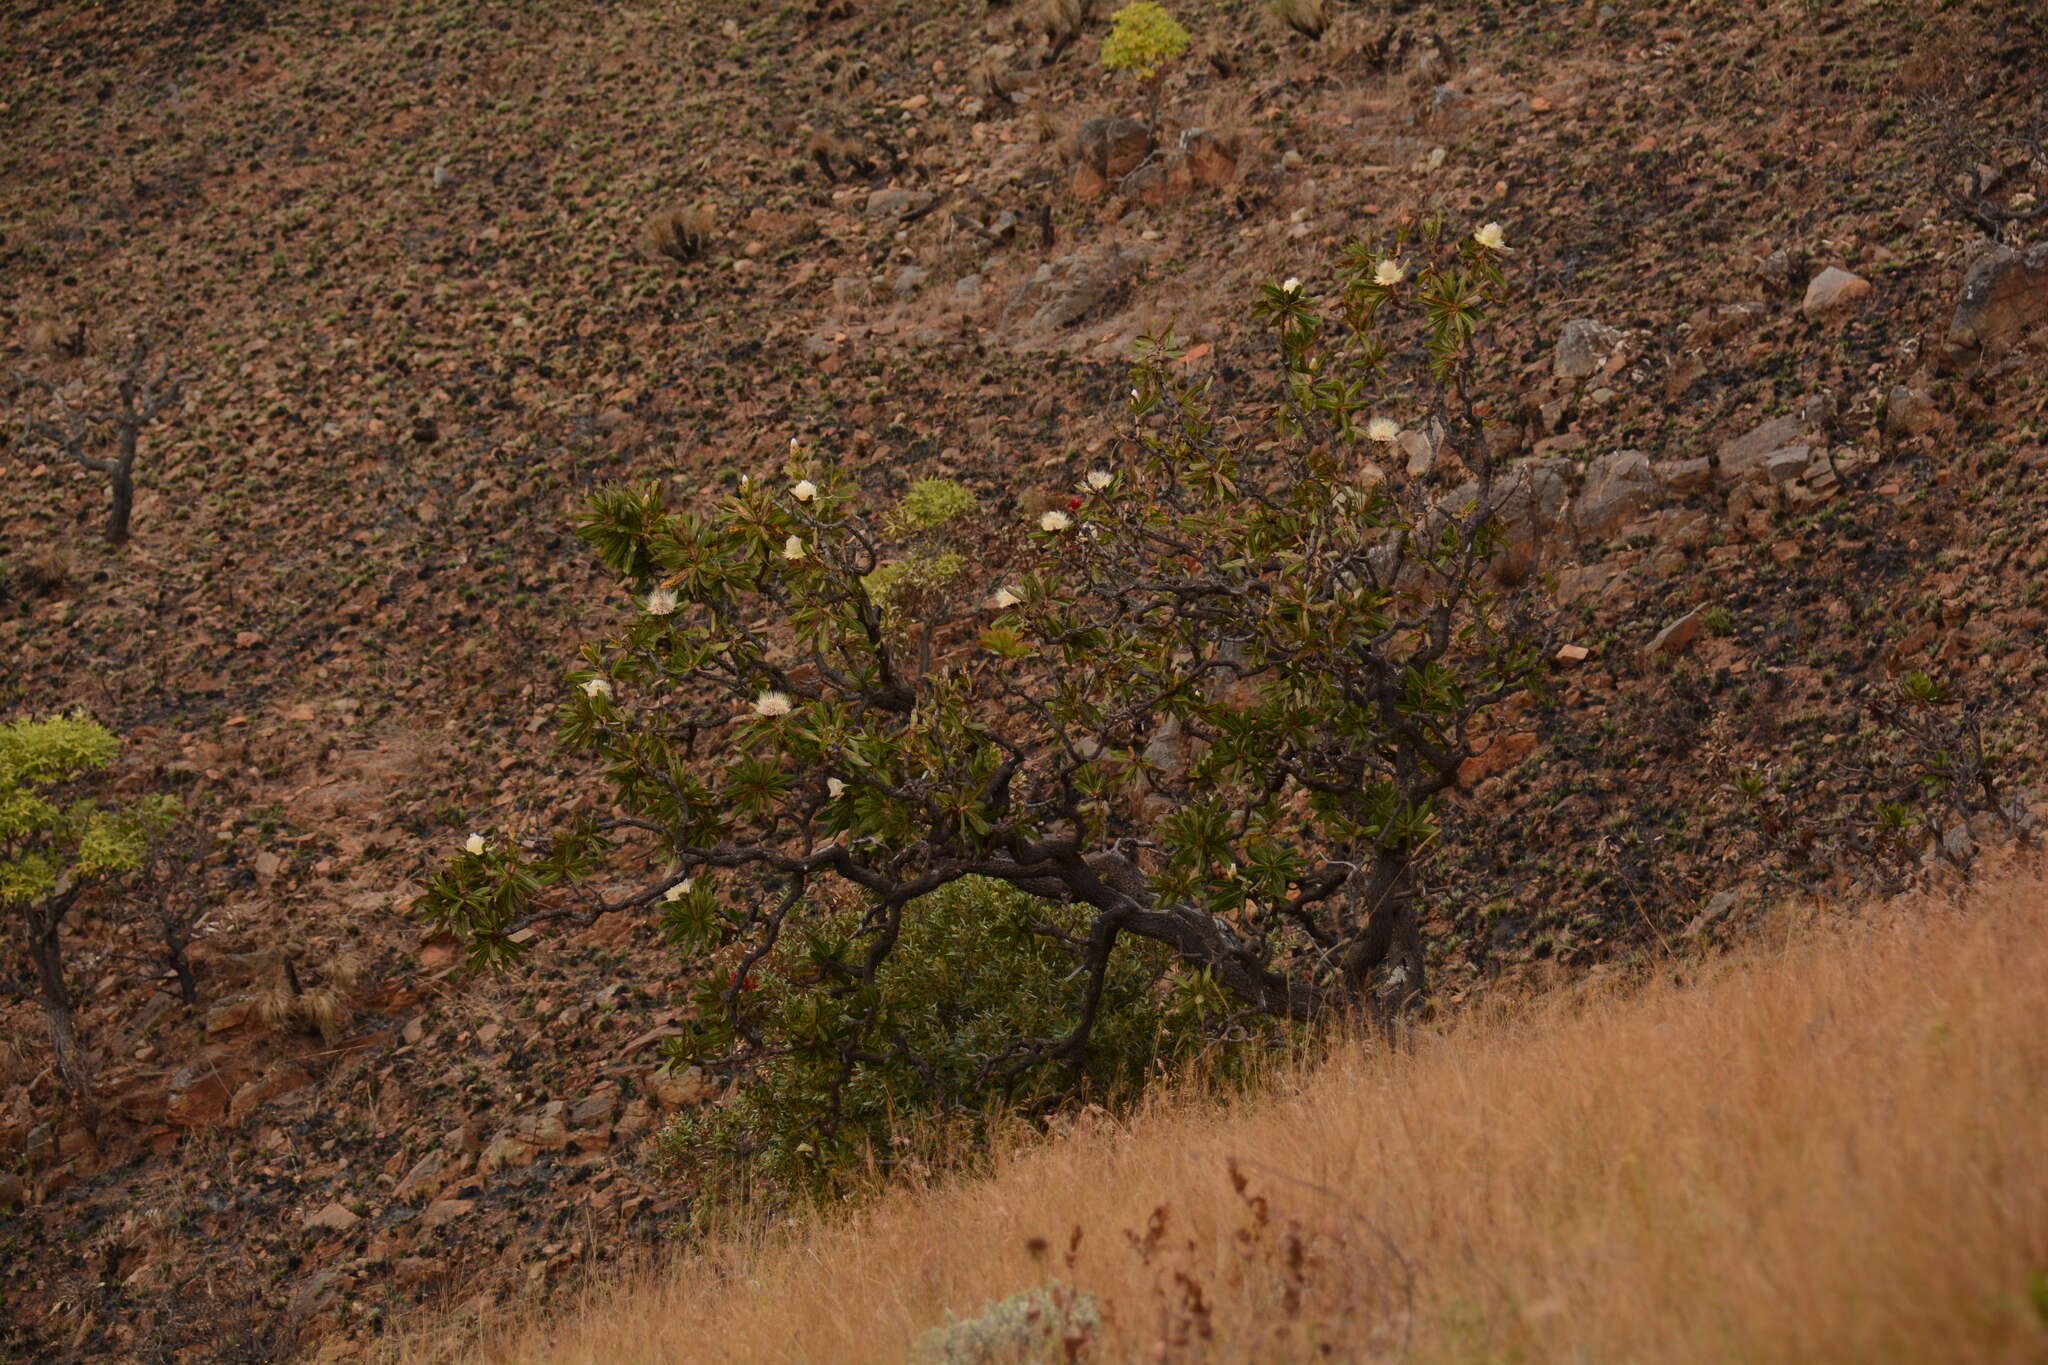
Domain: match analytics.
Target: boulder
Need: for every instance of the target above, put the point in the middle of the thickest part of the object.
(675, 1089)
(1584, 348)
(896, 203)
(1619, 487)
(333, 1218)
(1745, 454)
(1062, 293)
(1787, 464)
(1685, 476)
(1832, 289)
(2004, 296)
(424, 1177)
(444, 1211)
(1909, 411)
(1112, 147)
(1680, 633)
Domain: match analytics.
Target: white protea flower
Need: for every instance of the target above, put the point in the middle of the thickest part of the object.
(745, 480)
(1384, 430)
(772, 704)
(678, 891)
(1293, 286)
(1005, 599)
(1491, 237)
(835, 788)
(1055, 521)
(661, 602)
(804, 491)
(1099, 479)
(1389, 273)
(793, 548)
(475, 844)
(598, 687)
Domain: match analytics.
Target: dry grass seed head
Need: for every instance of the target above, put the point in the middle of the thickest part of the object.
(679, 234)
(1310, 18)
(1061, 20)
(327, 1010)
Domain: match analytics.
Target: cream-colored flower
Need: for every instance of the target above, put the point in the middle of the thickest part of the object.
(1293, 286)
(804, 491)
(661, 602)
(1389, 273)
(1005, 599)
(678, 891)
(598, 687)
(1055, 521)
(1491, 237)
(475, 844)
(1099, 479)
(772, 704)
(793, 548)
(835, 788)
(1384, 430)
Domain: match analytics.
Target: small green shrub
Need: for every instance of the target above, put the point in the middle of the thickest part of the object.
(56, 842)
(1142, 39)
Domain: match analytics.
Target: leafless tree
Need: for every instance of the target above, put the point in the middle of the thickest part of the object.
(143, 393)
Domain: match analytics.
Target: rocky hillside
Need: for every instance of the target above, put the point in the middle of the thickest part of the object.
(431, 270)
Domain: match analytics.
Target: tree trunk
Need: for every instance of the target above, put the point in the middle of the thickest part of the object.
(1392, 939)
(122, 479)
(46, 951)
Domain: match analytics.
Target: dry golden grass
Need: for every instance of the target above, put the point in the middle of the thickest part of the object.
(1833, 1147)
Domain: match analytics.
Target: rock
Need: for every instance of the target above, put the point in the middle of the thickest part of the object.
(318, 1294)
(1112, 147)
(1502, 753)
(333, 1218)
(12, 1190)
(468, 1139)
(544, 1130)
(1529, 499)
(1680, 633)
(230, 1015)
(594, 1110)
(635, 1118)
(851, 291)
(1744, 454)
(503, 1152)
(1062, 293)
(1618, 488)
(424, 1176)
(1832, 289)
(198, 1096)
(245, 1102)
(1684, 476)
(673, 1090)
(1421, 453)
(1572, 654)
(1783, 466)
(1211, 159)
(1784, 271)
(909, 280)
(1584, 348)
(1909, 411)
(894, 203)
(445, 1211)
(967, 289)
(2004, 296)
